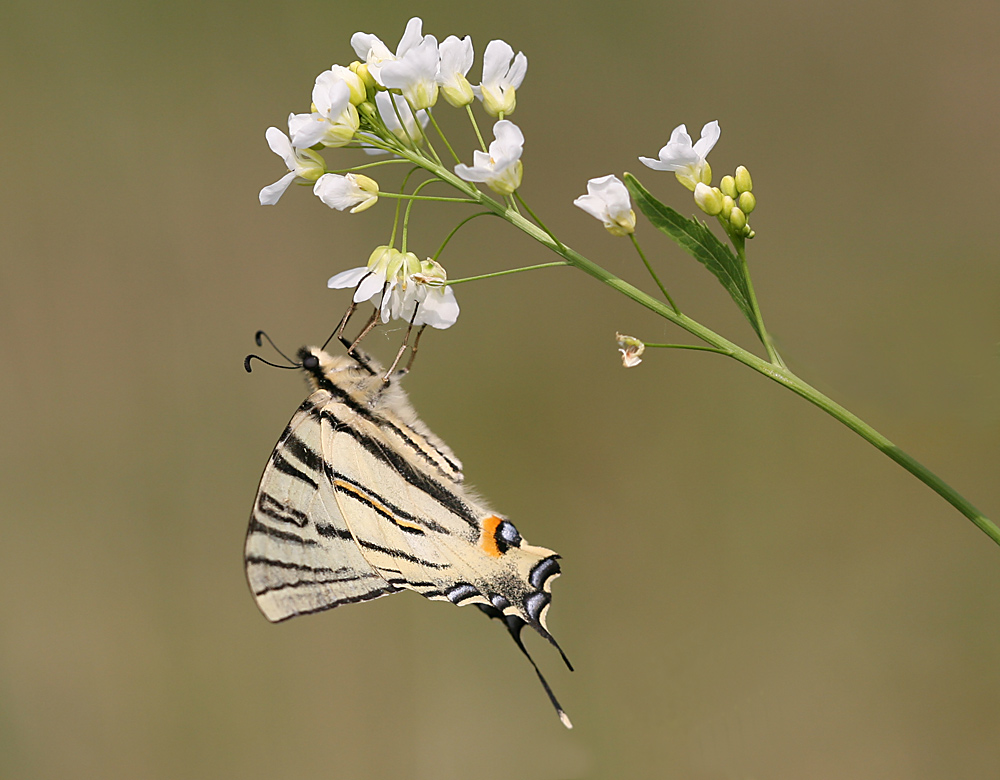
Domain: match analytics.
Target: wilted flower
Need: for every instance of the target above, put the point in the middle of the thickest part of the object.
(631, 349)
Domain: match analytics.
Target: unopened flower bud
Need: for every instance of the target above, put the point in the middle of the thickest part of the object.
(368, 109)
(728, 204)
(747, 202)
(709, 199)
(361, 69)
(728, 186)
(737, 219)
(743, 181)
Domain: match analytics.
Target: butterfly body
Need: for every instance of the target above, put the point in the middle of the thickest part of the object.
(360, 500)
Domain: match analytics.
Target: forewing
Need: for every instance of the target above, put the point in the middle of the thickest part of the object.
(300, 555)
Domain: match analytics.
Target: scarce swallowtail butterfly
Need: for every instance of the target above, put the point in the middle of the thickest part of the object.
(360, 499)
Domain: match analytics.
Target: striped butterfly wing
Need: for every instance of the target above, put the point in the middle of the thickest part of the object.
(300, 556)
(360, 499)
(422, 530)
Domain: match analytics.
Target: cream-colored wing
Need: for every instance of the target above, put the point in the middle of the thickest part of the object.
(300, 555)
(422, 531)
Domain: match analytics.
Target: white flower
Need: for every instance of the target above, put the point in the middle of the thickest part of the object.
(501, 169)
(687, 160)
(631, 349)
(501, 78)
(456, 59)
(400, 286)
(376, 54)
(304, 165)
(607, 199)
(422, 298)
(414, 70)
(342, 192)
(334, 119)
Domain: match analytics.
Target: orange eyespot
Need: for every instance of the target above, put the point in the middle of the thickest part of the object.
(489, 539)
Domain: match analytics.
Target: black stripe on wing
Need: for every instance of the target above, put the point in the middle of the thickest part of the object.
(342, 396)
(370, 595)
(413, 476)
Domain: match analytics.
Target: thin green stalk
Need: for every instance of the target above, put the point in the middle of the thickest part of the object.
(404, 196)
(455, 229)
(652, 273)
(534, 216)
(765, 337)
(516, 271)
(443, 138)
(475, 126)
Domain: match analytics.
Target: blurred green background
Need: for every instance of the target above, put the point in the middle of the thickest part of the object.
(749, 590)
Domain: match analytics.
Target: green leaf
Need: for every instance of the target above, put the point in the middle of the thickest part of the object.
(697, 240)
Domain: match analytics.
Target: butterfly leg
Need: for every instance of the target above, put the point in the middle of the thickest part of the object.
(413, 349)
(402, 347)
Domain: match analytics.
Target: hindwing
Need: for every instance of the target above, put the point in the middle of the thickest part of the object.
(300, 555)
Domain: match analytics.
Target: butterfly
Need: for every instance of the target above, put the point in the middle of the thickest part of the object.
(360, 500)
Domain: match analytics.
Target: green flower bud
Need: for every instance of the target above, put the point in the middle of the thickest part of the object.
(361, 69)
(737, 219)
(747, 202)
(728, 186)
(728, 204)
(368, 109)
(743, 181)
(709, 199)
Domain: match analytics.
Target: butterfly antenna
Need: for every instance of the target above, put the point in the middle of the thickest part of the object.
(514, 625)
(249, 369)
(339, 330)
(257, 337)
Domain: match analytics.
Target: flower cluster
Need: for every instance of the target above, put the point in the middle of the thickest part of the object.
(381, 103)
(732, 201)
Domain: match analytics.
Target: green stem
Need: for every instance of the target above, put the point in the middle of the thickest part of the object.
(404, 196)
(652, 273)
(443, 138)
(519, 270)
(765, 337)
(475, 126)
(777, 373)
(455, 229)
(697, 347)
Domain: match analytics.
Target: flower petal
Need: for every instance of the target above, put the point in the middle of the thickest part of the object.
(349, 278)
(272, 193)
(709, 137)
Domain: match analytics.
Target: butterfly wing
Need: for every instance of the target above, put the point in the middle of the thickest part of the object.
(300, 554)
(421, 529)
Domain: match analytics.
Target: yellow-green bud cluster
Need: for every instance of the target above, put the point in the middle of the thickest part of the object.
(732, 201)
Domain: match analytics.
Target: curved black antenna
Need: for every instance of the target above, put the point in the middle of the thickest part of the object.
(256, 338)
(248, 358)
